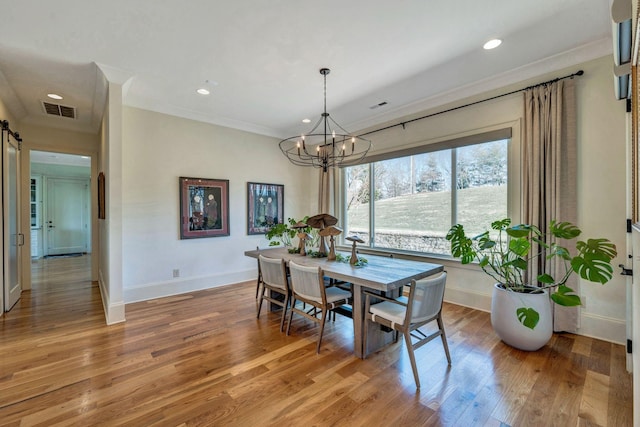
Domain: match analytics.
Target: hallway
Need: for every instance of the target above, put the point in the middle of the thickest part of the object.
(49, 299)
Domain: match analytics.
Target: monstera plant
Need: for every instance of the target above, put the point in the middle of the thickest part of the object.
(505, 251)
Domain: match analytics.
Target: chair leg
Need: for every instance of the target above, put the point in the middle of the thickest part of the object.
(293, 304)
(324, 317)
(261, 298)
(284, 311)
(412, 358)
(444, 339)
(259, 281)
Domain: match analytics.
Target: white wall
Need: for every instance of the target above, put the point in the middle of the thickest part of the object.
(157, 150)
(601, 182)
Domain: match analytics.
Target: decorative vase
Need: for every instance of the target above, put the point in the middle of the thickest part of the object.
(504, 319)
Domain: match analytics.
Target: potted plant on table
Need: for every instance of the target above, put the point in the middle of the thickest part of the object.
(285, 233)
(521, 311)
(280, 233)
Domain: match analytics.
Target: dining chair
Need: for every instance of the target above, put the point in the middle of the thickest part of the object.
(407, 315)
(307, 286)
(273, 274)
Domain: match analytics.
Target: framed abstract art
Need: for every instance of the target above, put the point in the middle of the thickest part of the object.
(204, 207)
(265, 206)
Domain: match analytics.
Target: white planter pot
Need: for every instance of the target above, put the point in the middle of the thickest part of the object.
(504, 319)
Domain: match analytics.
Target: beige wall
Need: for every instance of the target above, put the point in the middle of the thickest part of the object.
(157, 150)
(5, 114)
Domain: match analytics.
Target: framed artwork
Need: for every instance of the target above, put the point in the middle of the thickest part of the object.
(101, 189)
(265, 206)
(204, 207)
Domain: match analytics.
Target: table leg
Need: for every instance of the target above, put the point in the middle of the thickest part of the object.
(358, 321)
(377, 338)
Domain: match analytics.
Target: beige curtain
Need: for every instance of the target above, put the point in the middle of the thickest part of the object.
(325, 190)
(549, 173)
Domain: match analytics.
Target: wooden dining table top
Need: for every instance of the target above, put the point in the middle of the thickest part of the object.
(383, 273)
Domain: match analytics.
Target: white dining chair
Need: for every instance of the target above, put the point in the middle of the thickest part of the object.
(273, 273)
(407, 315)
(307, 286)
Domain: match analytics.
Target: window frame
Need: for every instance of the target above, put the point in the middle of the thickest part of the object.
(510, 130)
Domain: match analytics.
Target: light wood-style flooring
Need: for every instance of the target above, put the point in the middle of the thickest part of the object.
(203, 359)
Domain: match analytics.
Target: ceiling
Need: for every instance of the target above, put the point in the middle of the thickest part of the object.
(59, 158)
(260, 59)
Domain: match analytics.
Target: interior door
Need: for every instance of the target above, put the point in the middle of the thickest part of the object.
(14, 239)
(67, 222)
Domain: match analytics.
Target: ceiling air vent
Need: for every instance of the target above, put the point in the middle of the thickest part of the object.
(59, 110)
(378, 105)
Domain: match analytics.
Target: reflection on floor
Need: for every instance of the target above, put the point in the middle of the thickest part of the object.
(57, 272)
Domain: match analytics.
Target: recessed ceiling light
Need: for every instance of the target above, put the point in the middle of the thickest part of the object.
(54, 96)
(203, 91)
(492, 44)
(306, 120)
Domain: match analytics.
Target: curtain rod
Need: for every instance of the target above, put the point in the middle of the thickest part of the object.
(5, 126)
(570, 76)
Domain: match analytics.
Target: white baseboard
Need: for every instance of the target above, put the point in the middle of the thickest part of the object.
(467, 298)
(113, 312)
(592, 325)
(184, 285)
(603, 328)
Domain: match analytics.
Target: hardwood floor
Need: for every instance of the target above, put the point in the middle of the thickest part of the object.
(203, 359)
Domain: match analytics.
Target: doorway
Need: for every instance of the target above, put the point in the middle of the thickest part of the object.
(67, 216)
(60, 215)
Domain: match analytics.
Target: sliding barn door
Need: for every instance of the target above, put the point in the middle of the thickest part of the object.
(13, 238)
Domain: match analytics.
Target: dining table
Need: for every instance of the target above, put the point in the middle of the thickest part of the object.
(381, 274)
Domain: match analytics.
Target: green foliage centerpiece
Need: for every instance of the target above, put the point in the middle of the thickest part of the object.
(284, 233)
(505, 253)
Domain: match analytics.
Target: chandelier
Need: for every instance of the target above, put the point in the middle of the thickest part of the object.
(334, 147)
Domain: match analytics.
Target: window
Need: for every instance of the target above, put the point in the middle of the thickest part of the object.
(419, 193)
(35, 201)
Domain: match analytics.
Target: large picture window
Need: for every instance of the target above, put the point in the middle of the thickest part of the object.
(409, 202)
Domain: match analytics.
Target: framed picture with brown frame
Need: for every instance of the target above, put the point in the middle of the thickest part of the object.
(101, 196)
(204, 207)
(265, 206)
